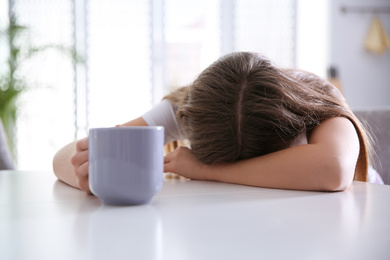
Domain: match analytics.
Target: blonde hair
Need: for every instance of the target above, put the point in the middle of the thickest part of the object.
(243, 106)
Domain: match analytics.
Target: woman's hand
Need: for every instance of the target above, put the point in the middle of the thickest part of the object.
(70, 163)
(81, 165)
(183, 162)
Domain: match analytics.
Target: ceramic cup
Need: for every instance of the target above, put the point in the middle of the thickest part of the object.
(126, 164)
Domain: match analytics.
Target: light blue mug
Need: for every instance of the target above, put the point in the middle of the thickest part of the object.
(126, 164)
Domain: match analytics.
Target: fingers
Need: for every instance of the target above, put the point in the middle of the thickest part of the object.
(168, 157)
(79, 158)
(82, 144)
(168, 167)
(82, 177)
(81, 165)
(173, 159)
(168, 162)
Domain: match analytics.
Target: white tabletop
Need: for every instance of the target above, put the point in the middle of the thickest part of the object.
(42, 218)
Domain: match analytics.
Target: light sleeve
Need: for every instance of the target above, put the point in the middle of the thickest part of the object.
(164, 114)
(373, 176)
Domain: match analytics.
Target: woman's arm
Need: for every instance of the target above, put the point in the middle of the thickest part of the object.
(326, 163)
(70, 164)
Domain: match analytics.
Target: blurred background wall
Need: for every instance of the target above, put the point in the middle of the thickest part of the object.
(365, 75)
(134, 52)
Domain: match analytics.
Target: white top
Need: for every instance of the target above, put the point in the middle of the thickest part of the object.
(42, 218)
(374, 176)
(164, 114)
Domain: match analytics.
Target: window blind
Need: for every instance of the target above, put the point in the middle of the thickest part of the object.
(135, 52)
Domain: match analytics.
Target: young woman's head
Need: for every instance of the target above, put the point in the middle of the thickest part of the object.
(243, 106)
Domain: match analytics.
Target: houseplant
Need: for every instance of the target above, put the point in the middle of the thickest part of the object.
(12, 81)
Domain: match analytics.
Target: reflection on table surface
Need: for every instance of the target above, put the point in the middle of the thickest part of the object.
(42, 218)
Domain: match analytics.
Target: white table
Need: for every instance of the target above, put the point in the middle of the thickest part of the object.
(42, 218)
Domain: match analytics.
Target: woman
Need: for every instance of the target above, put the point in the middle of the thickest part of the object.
(249, 122)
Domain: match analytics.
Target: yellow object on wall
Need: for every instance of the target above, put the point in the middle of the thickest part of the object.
(377, 40)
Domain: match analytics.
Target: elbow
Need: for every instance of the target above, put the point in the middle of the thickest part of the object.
(337, 184)
(337, 176)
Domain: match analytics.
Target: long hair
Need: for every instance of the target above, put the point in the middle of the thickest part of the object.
(243, 106)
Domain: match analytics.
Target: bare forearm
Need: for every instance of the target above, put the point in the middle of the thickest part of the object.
(299, 168)
(326, 162)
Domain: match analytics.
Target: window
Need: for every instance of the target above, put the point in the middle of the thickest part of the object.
(46, 118)
(135, 52)
(119, 66)
(191, 38)
(267, 27)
